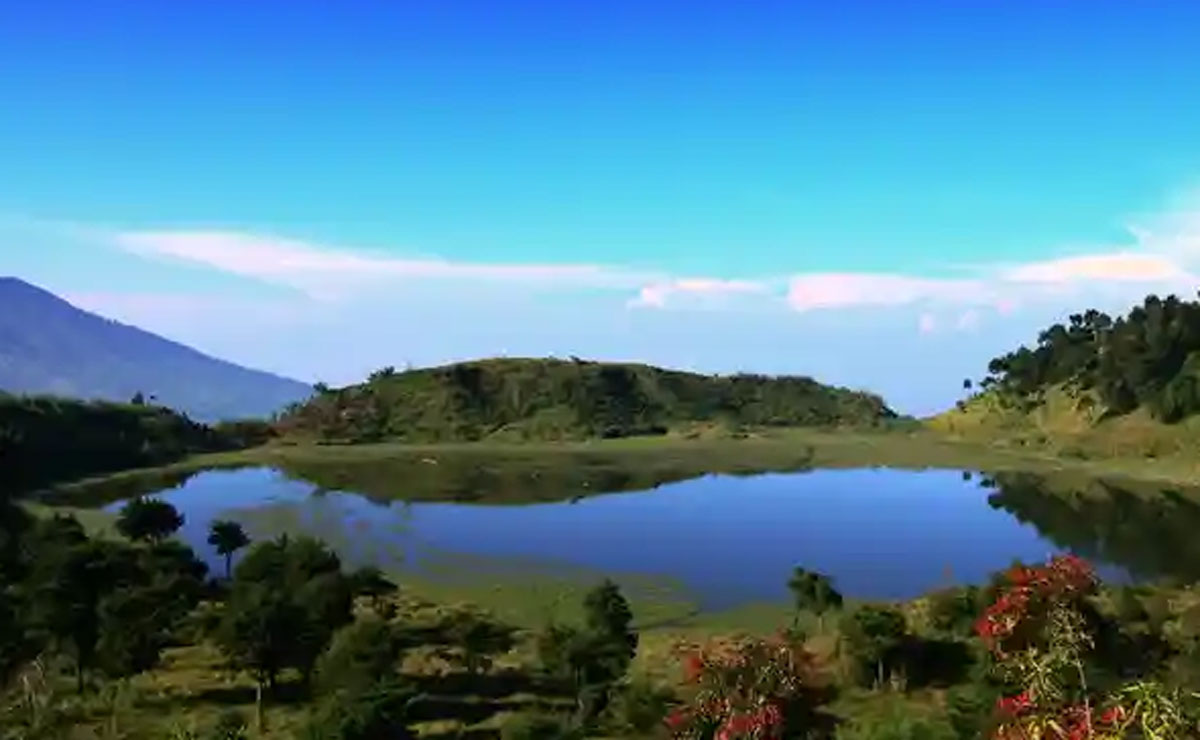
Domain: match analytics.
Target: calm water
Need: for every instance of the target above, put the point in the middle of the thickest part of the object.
(731, 540)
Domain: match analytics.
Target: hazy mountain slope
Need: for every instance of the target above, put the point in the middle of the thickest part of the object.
(560, 399)
(49, 346)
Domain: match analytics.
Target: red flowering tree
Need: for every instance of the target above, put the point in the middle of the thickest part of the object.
(746, 688)
(1037, 633)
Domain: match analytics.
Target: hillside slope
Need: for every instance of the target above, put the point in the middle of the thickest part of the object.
(46, 440)
(48, 346)
(1098, 385)
(566, 399)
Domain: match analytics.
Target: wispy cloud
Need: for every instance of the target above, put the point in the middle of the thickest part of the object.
(1162, 254)
(324, 271)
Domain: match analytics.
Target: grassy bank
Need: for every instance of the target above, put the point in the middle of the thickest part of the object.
(541, 471)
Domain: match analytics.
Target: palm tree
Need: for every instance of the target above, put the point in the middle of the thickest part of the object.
(227, 537)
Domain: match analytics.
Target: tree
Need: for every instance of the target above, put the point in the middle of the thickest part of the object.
(475, 638)
(590, 660)
(812, 591)
(227, 537)
(288, 598)
(370, 581)
(382, 373)
(138, 399)
(148, 520)
(607, 613)
(361, 655)
(875, 635)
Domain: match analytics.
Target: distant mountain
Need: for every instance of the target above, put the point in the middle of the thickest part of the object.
(567, 399)
(48, 346)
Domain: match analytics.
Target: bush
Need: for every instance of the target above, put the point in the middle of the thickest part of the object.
(748, 688)
(230, 725)
(639, 707)
(538, 726)
(953, 610)
(874, 637)
(379, 712)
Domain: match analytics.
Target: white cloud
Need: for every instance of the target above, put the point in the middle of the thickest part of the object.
(826, 290)
(1162, 255)
(711, 290)
(326, 271)
(1117, 267)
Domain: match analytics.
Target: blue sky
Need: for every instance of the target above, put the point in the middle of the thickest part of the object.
(880, 194)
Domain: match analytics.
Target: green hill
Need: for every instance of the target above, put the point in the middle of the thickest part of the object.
(549, 399)
(1129, 385)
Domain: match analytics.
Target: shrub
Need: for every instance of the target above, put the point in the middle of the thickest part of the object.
(538, 726)
(747, 688)
(639, 707)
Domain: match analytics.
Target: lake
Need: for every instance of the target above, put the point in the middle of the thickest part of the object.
(725, 540)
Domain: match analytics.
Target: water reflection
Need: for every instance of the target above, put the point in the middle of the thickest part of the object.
(1149, 530)
(727, 539)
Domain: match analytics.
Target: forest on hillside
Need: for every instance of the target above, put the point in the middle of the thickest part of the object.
(46, 440)
(566, 399)
(1148, 358)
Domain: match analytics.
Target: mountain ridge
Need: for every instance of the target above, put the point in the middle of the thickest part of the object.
(49, 346)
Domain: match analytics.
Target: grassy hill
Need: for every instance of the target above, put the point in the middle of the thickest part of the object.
(566, 399)
(48, 346)
(1128, 386)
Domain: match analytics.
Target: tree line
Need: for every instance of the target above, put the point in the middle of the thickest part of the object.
(46, 440)
(1147, 358)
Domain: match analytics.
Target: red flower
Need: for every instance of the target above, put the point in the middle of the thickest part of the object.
(1112, 715)
(1015, 706)
(677, 719)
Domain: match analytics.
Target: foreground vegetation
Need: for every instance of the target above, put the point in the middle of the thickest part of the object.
(130, 638)
(546, 399)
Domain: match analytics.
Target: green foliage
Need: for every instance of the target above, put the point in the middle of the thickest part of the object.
(538, 726)
(1150, 358)
(371, 582)
(227, 537)
(474, 638)
(46, 440)
(230, 725)
(953, 610)
(287, 599)
(382, 711)
(148, 520)
(106, 604)
(899, 723)
(554, 399)
(590, 660)
(639, 707)
(874, 636)
(245, 433)
(362, 655)
(813, 592)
